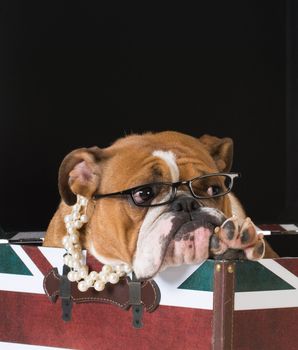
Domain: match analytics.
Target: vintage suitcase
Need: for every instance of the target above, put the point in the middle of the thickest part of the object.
(216, 305)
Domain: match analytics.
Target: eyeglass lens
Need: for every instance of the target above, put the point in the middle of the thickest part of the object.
(208, 186)
(158, 193)
(211, 186)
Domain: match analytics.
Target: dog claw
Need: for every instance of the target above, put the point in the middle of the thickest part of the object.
(257, 251)
(217, 246)
(244, 238)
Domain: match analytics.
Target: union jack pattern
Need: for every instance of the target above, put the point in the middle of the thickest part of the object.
(29, 319)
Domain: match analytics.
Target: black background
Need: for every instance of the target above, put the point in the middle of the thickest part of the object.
(77, 74)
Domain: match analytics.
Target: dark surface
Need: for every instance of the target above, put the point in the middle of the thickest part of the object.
(285, 245)
(80, 74)
(291, 209)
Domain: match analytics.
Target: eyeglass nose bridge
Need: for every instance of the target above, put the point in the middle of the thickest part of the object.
(177, 184)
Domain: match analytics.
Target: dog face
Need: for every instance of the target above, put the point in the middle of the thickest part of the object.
(149, 236)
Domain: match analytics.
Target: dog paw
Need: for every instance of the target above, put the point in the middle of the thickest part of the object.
(231, 241)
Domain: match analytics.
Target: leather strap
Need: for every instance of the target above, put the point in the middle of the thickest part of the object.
(223, 305)
(116, 294)
(135, 301)
(65, 295)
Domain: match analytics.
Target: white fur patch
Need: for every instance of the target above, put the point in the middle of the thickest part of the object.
(170, 158)
(154, 230)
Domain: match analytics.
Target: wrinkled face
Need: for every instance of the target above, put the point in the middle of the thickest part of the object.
(178, 232)
(155, 237)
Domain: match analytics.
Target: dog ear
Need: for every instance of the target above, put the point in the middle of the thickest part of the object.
(221, 150)
(79, 174)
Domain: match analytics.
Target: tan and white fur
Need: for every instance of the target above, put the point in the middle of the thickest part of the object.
(150, 239)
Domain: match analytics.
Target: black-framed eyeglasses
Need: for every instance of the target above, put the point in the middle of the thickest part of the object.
(160, 193)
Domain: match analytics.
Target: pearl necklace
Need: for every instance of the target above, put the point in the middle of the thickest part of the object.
(74, 258)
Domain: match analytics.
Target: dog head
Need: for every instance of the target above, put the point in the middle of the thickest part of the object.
(138, 215)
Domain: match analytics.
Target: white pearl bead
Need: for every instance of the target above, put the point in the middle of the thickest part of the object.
(107, 268)
(119, 270)
(77, 275)
(65, 240)
(82, 286)
(71, 249)
(72, 231)
(67, 218)
(93, 275)
(76, 264)
(89, 281)
(71, 276)
(67, 259)
(78, 224)
(76, 207)
(74, 238)
(83, 271)
(113, 278)
(68, 245)
(99, 286)
(77, 255)
(78, 247)
(120, 273)
(103, 276)
(84, 218)
(70, 262)
(83, 201)
(75, 215)
(68, 225)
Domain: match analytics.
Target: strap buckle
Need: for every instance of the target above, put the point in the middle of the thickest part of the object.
(135, 301)
(65, 294)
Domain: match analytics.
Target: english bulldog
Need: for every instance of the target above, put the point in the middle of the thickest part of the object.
(157, 200)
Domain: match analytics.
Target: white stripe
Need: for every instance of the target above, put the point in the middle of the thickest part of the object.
(23, 284)
(188, 298)
(289, 227)
(170, 159)
(265, 233)
(18, 346)
(280, 271)
(266, 299)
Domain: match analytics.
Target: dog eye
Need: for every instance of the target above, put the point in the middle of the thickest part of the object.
(143, 195)
(214, 191)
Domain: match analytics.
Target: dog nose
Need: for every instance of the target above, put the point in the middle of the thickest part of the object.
(186, 204)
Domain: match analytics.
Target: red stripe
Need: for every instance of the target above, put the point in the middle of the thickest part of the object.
(290, 264)
(93, 263)
(274, 329)
(38, 258)
(33, 319)
(271, 227)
